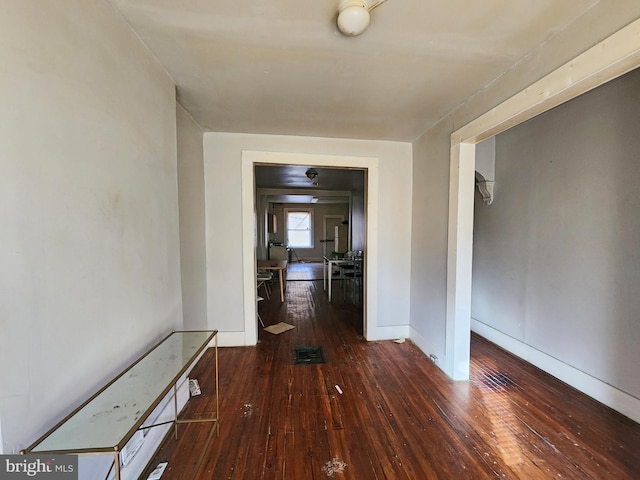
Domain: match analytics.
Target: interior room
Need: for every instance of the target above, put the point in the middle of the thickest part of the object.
(442, 198)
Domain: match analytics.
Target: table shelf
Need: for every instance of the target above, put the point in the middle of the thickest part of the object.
(109, 419)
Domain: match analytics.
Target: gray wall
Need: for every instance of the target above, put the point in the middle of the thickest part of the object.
(90, 272)
(557, 255)
(429, 240)
(319, 211)
(431, 158)
(389, 296)
(193, 258)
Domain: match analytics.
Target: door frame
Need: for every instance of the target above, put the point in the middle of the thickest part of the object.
(370, 164)
(609, 59)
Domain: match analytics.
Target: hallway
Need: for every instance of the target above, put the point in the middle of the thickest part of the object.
(304, 271)
(382, 410)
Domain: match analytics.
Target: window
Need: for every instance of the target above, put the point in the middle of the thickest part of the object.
(299, 228)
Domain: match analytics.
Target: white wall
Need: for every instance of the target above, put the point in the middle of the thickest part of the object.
(223, 179)
(432, 155)
(88, 192)
(556, 258)
(193, 255)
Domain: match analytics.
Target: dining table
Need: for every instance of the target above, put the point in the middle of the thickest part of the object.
(327, 271)
(279, 266)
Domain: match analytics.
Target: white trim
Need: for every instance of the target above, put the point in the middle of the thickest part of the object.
(249, 263)
(615, 56)
(459, 261)
(609, 59)
(311, 211)
(391, 332)
(595, 388)
(370, 164)
(425, 346)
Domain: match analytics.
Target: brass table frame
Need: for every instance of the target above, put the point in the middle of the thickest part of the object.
(47, 442)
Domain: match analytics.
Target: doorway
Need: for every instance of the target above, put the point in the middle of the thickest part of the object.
(605, 61)
(249, 216)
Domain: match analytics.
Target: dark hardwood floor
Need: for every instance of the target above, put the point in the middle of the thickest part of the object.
(396, 416)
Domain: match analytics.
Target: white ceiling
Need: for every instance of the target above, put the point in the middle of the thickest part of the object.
(282, 67)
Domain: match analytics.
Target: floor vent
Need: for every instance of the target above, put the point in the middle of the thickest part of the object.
(308, 355)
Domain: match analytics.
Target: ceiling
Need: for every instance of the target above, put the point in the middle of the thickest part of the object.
(282, 67)
(293, 184)
(296, 177)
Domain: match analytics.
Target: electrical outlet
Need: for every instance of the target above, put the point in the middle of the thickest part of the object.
(433, 358)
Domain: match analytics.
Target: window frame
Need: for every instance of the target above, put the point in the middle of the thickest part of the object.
(309, 211)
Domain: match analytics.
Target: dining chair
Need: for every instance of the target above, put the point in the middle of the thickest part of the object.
(258, 300)
(352, 276)
(264, 278)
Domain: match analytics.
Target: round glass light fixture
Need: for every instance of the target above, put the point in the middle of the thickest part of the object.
(353, 17)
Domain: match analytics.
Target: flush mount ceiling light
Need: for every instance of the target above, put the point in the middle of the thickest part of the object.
(353, 16)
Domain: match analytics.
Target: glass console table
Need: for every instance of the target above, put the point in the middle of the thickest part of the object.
(107, 421)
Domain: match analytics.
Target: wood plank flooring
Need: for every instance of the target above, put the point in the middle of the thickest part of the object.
(398, 416)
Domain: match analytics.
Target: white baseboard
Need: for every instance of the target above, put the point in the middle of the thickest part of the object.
(391, 332)
(426, 347)
(591, 386)
(419, 340)
(238, 339)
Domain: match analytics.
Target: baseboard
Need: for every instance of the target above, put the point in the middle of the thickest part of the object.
(238, 339)
(307, 260)
(391, 332)
(610, 396)
(426, 347)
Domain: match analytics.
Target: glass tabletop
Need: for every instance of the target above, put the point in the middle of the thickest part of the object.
(109, 419)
